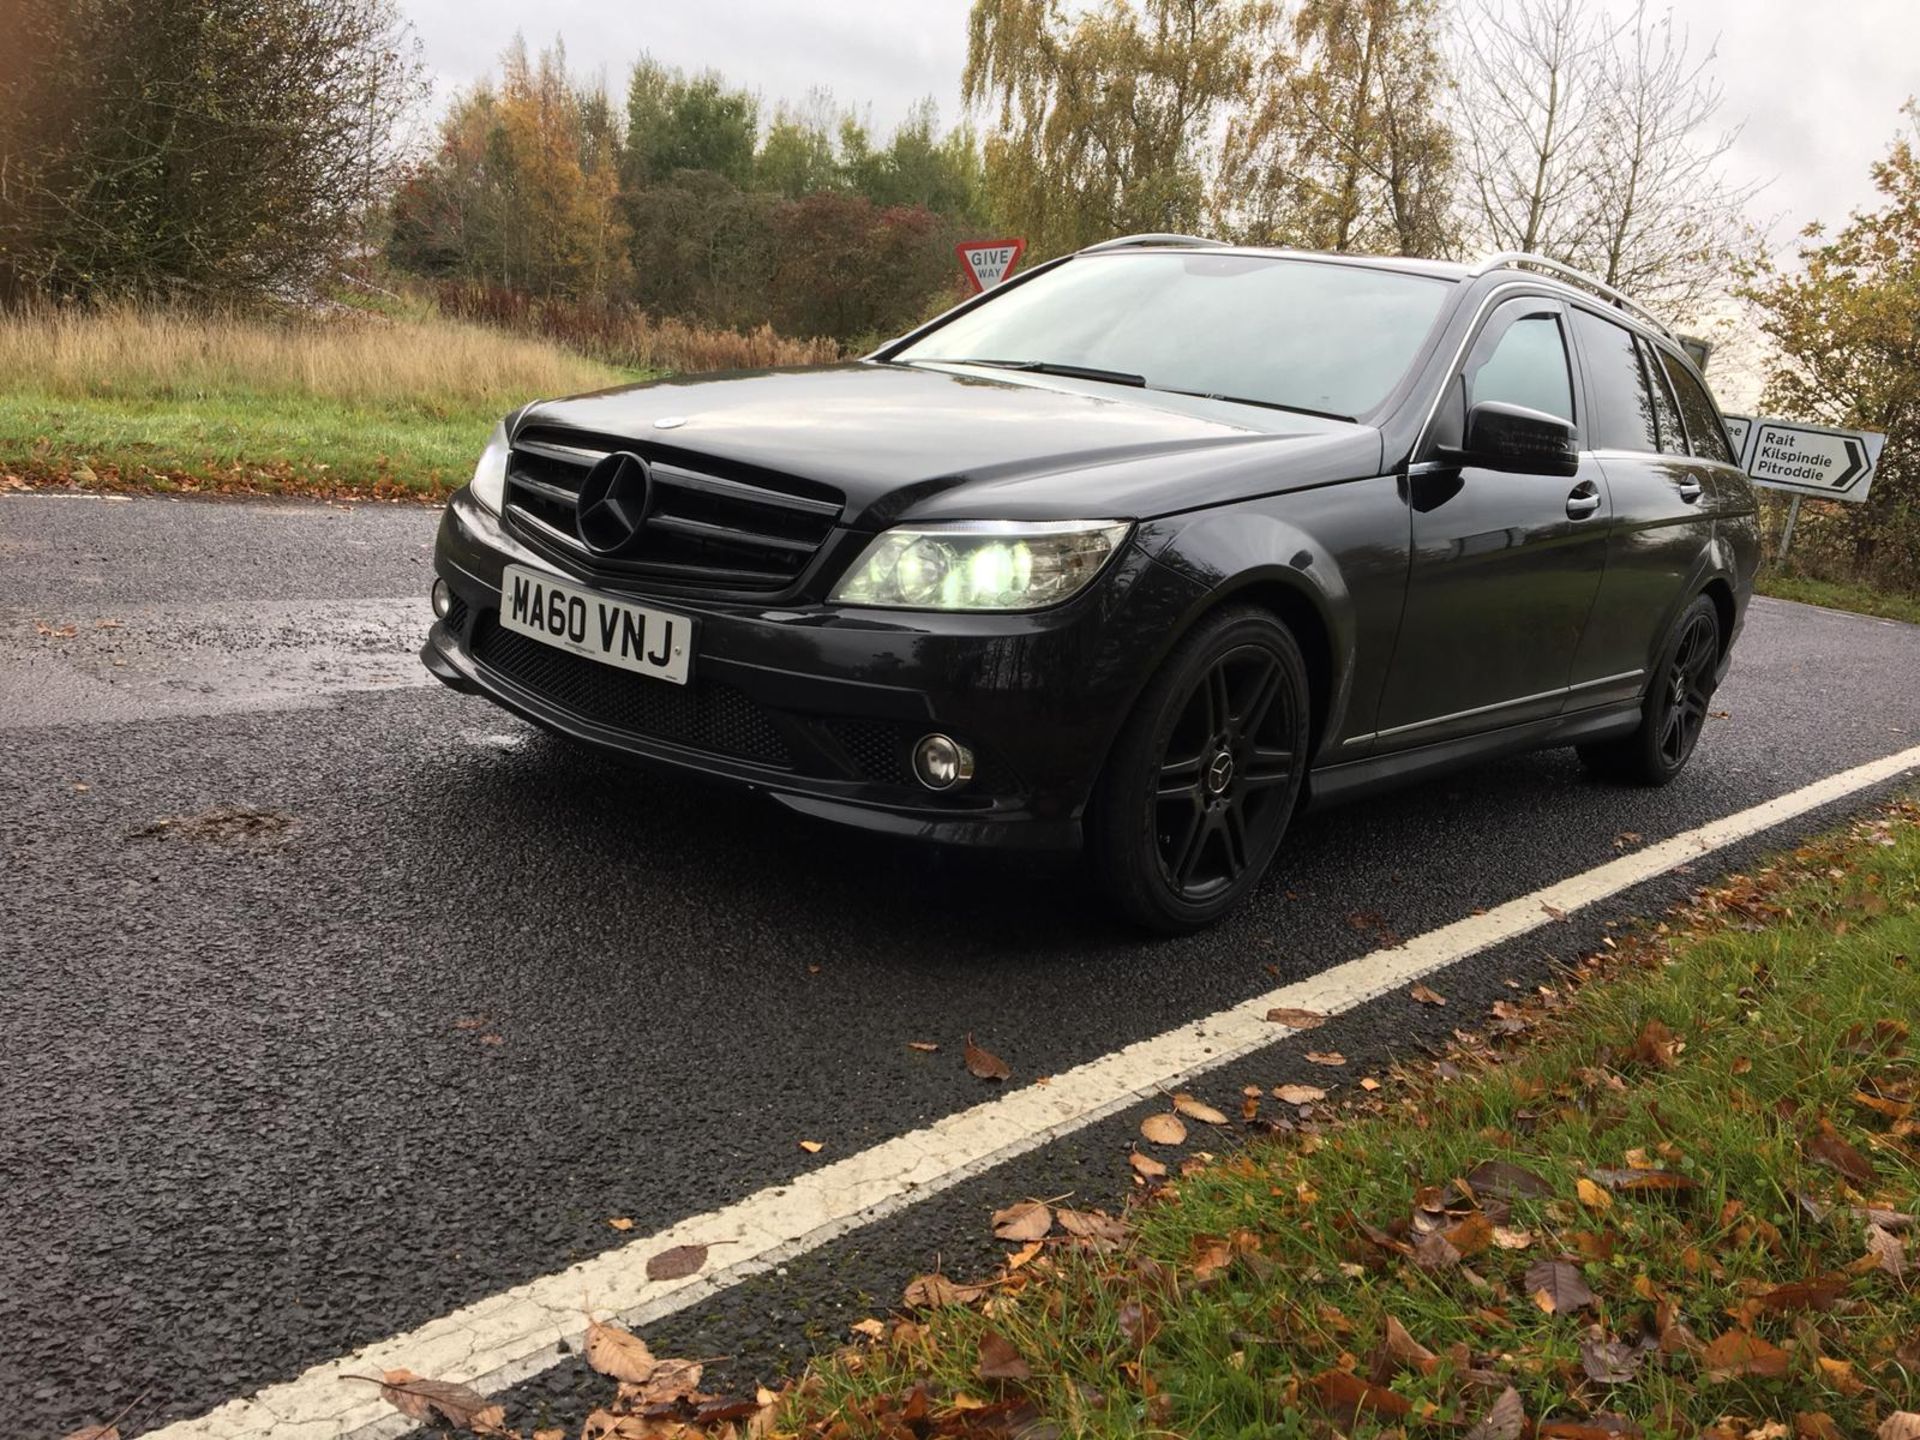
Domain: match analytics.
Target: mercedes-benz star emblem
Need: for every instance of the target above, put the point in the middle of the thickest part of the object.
(613, 503)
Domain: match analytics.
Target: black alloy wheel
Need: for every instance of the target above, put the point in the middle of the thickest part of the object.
(1675, 711)
(1206, 774)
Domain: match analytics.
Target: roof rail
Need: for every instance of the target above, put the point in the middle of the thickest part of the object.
(1128, 242)
(1518, 259)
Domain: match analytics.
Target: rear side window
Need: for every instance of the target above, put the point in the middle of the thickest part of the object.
(1703, 422)
(1622, 416)
(1673, 436)
(1528, 367)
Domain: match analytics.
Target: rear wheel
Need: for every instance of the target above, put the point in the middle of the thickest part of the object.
(1205, 776)
(1675, 710)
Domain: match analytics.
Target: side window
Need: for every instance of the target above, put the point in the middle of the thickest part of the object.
(1673, 436)
(1622, 416)
(1703, 421)
(1527, 366)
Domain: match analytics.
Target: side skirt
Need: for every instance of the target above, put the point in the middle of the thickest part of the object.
(1336, 784)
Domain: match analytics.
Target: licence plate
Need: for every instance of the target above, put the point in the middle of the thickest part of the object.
(584, 622)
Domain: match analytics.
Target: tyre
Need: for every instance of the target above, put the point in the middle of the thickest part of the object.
(1205, 775)
(1675, 710)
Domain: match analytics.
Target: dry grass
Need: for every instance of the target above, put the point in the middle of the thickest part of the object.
(432, 365)
(624, 335)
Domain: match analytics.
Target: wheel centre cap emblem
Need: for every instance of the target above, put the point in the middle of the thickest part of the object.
(1220, 774)
(613, 504)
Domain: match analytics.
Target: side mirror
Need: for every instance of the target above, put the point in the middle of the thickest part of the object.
(1516, 439)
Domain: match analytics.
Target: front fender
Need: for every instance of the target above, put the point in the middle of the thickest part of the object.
(1331, 560)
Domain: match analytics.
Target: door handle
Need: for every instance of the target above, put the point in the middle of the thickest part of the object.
(1584, 500)
(1689, 489)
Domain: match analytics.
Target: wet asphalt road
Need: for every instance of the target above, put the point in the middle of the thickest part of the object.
(244, 1129)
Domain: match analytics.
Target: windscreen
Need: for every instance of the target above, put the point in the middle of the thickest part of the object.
(1323, 338)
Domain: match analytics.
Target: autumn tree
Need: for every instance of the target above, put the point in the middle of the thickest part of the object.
(205, 148)
(1102, 121)
(1846, 325)
(523, 189)
(1344, 145)
(1597, 145)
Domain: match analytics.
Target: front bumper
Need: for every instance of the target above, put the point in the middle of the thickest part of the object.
(819, 705)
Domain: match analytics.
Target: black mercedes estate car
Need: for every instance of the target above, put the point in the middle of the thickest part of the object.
(1138, 552)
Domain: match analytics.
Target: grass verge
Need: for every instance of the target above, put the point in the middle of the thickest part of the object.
(1835, 595)
(1673, 1203)
(158, 400)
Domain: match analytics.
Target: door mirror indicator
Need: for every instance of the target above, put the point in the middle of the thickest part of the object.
(1516, 439)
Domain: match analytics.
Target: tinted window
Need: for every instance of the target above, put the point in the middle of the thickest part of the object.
(1334, 339)
(1673, 438)
(1528, 367)
(1703, 421)
(1622, 417)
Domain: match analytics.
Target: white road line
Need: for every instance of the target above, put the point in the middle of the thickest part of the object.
(501, 1340)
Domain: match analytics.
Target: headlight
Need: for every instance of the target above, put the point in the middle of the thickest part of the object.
(490, 475)
(981, 564)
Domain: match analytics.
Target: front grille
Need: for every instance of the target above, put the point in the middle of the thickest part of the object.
(701, 715)
(711, 526)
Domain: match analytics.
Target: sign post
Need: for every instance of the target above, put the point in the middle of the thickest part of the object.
(1805, 460)
(986, 263)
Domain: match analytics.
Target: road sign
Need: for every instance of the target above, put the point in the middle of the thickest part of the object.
(1812, 459)
(1738, 428)
(986, 263)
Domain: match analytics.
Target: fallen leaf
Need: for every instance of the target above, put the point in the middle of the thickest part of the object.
(1888, 1253)
(1901, 1425)
(1409, 1351)
(1591, 1195)
(1507, 1420)
(1427, 996)
(1830, 1149)
(1350, 1397)
(1656, 1045)
(1137, 1323)
(984, 1064)
(1197, 1110)
(1000, 1360)
(1164, 1128)
(1608, 1361)
(1815, 1425)
(1325, 1057)
(618, 1354)
(1818, 1294)
(94, 1432)
(1367, 1082)
(1739, 1352)
(935, 1292)
(812, 1147)
(676, 1263)
(871, 1328)
(621, 1223)
(1298, 1094)
(1556, 1286)
(1029, 1220)
(1092, 1225)
(1510, 1239)
(672, 1381)
(1507, 1181)
(1644, 1182)
(442, 1401)
(556, 1433)
(1296, 1019)
(1146, 1166)
(926, 1047)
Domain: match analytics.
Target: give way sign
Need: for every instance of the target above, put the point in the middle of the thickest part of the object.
(986, 263)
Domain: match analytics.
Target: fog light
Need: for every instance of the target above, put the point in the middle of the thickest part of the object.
(942, 763)
(442, 599)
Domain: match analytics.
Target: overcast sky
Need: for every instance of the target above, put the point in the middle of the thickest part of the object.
(1817, 87)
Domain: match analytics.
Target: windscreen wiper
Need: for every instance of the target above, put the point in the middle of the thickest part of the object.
(1051, 367)
(1263, 404)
